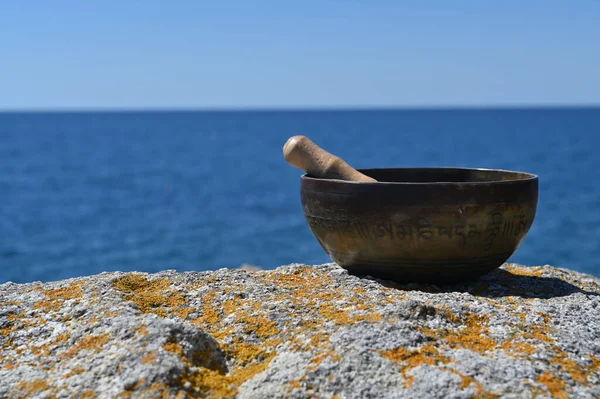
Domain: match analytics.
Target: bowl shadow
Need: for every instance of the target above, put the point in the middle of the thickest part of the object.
(496, 284)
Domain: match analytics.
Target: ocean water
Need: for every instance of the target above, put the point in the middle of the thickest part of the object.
(82, 193)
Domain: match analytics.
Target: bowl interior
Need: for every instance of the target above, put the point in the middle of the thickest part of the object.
(445, 175)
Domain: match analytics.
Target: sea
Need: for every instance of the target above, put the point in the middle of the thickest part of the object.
(87, 192)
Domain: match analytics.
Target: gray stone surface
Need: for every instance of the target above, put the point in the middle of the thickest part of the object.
(301, 331)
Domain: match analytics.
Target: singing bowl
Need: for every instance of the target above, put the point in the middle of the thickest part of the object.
(430, 225)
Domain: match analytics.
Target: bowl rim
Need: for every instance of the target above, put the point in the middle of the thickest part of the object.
(530, 177)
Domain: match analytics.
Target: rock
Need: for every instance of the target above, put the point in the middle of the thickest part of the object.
(250, 268)
(301, 331)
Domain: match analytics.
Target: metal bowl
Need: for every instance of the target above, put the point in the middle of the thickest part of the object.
(422, 224)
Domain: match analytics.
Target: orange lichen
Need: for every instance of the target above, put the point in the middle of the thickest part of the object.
(294, 384)
(12, 327)
(74, 371)
(88, 395)
(9, 366)
(465, 380)
(576, 372)
(524, 270)
(539, 333)
(517, 349)
(555, 386)
(426, 355)
(317, 360)
(331, 312)
(142, 330)
(259, 325)
(245, 313)
(149, 295)
(595, 363)
(319, 340)
(11, 303)
(173, 347)
(446, 313)
(33, 388)
(62, 338)
(108, 313)
(183, 313)
(45, 349)
(56, 297)
(149, 357)
(369, 318)
(213, 384)
(88, 343)
(127, 393)
(210, 378)
(471, 334)
(210, 315)
(245, 353)
(481, 393)
(301, 277)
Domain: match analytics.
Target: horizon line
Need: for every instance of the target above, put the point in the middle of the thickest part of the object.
(316, 108)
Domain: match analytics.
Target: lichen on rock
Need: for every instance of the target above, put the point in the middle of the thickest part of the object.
(301, 331)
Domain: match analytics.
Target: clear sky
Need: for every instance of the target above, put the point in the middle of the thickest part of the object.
(304, 53)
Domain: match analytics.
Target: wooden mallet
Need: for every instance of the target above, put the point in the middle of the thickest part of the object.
(305, 155)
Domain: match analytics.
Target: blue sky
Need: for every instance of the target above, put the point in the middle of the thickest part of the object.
(223, 54)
